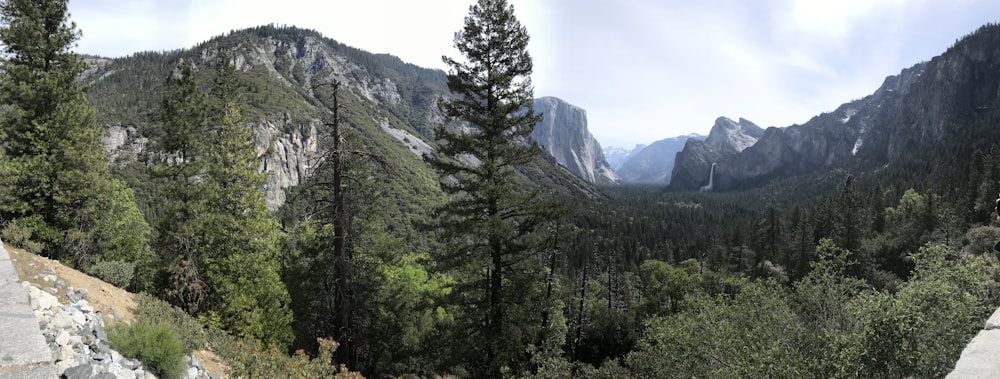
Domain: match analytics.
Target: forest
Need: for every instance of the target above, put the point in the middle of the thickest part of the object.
(480, 260)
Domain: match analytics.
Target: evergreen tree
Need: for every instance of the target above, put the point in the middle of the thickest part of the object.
(217, 240)
(850, 218)
(242, 238)
(180, 240)
(57, 181)
(489, 221)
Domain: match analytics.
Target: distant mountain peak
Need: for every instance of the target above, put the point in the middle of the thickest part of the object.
(653, 164)
(728, 136)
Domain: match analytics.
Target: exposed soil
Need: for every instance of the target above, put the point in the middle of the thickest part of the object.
(114, 303)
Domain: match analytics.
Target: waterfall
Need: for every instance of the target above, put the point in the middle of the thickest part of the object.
(711, 180)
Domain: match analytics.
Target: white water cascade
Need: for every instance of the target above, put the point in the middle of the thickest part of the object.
(711, 179)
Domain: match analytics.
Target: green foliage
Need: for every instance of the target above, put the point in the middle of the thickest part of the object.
(751, 333)
(122, 235)
(665, 286)
(487, 220)
(20, 236)
(217, 234)
(192, 333)
(155, 345)
(249, 360)
(56, 180)
(981, 239)
(921, 330)
(117, 273)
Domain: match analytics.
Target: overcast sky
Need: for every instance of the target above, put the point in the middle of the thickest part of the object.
(643, 69)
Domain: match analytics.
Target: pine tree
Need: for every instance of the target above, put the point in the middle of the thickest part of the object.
(487, 220)
(57, 183)
(217, 240)
(243, 239)
(180, 240)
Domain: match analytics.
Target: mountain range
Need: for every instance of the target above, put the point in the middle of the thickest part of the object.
(390, 104)
(923, 109)
(653, 164)
(393, 106)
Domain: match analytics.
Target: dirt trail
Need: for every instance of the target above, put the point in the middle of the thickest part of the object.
(113, 303)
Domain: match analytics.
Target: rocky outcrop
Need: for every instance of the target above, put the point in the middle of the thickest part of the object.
(287, 150)
(730, 137)
(726, 140)
(654, 163)
(563, 133)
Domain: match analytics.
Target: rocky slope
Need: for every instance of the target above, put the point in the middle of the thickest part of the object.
(391, 105)
(563, 133)
(654, 163)
(922, 108)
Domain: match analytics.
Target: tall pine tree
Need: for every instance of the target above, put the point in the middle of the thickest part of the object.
(218, 242)
(57, 181)
(488, 221)
(243, 239)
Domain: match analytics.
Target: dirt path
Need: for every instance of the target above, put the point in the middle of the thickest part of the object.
(113, 303)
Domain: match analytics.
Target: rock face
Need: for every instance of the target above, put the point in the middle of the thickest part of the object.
(654, 163)
(563, 134)
(913, 111)
(729, 137)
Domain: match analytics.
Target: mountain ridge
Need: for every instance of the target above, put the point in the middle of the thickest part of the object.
(915, 110)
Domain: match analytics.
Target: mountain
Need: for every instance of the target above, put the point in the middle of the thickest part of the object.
(389, 104)
(563, 133)
(940, 104)
(616, 156)
(728, 136)
(654, 163)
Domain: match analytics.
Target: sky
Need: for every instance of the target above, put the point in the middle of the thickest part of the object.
(644, 70)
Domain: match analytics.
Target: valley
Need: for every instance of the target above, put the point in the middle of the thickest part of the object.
(304, 208)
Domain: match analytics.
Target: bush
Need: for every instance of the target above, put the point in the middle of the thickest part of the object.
(155, 345)
(20, 236)
(118, 273)
(248, 359)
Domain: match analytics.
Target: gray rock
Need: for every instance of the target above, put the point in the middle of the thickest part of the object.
(131, 364)
(65, 353)
(84, 371)
(101, 335)
(61, 320)
(193, 361)
(191, 373)
(563, 134)
(62, 339)
(121, 372)
(46, 300)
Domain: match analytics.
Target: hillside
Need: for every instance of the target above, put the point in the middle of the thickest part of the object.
(392, 106)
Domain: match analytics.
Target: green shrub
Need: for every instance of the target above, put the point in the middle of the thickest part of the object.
(155, 345)
(20, 236)
(117, 273)
(248, 359)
